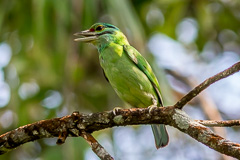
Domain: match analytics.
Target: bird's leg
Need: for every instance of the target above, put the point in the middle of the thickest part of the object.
(154, 105)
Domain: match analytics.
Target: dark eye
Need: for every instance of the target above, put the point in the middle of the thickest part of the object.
(99, 28)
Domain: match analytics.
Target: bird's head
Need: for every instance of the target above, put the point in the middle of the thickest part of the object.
(101, 34)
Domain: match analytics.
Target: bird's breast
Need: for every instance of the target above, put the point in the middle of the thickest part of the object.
(129, 82)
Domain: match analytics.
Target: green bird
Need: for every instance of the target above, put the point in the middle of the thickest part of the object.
(127, 71)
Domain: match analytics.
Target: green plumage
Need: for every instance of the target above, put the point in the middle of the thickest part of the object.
(127, 71)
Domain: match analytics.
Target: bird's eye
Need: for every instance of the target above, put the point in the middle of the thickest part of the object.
(99, 28)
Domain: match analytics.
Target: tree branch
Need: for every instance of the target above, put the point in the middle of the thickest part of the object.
(78, 124)
(96, 147)
(83, 124)
(214, 123)
(193, 93)
(206, 102)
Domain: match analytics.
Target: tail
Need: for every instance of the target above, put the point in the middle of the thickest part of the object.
(160, 135)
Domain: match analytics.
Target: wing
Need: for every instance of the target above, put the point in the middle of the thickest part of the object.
(105, 76)
(143, 65)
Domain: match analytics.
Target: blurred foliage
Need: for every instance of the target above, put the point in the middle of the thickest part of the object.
(50, 75)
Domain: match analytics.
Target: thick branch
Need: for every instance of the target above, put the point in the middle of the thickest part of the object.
(77, 124)
(193, 93)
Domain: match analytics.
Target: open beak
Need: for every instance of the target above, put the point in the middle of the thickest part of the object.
(87, 36)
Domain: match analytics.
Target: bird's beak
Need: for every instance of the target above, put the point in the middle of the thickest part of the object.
(87, 36)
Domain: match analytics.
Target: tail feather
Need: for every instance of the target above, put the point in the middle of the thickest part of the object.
(160, 135)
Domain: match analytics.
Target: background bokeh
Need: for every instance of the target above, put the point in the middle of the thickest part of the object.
(45, 74)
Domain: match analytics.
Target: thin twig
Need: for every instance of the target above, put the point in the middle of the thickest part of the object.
(193, 93)
(96, 147)
(213, 123)
(206, 102)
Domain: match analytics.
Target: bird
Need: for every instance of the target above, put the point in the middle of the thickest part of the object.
(128, 72)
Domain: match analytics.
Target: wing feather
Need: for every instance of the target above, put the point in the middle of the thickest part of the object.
(143, 65)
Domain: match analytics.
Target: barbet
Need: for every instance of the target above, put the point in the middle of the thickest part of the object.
(127, 71)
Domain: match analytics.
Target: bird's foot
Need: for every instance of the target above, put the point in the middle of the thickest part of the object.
(151, 108)
(116, 110)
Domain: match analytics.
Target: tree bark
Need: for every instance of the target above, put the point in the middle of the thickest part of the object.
(76, 124)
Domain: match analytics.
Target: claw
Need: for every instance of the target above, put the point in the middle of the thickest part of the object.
(151, 108)
(115, 110)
